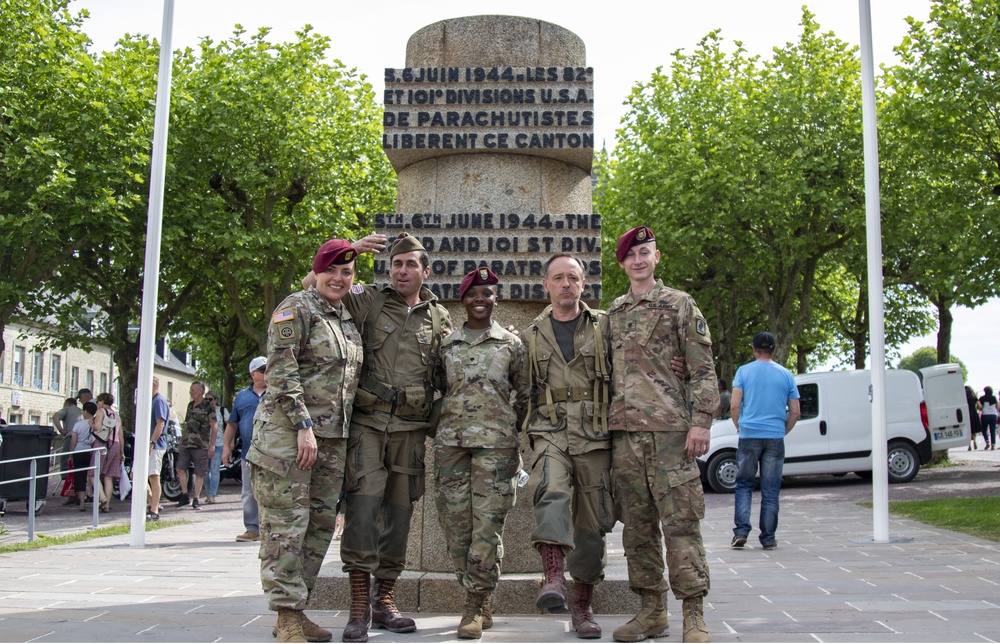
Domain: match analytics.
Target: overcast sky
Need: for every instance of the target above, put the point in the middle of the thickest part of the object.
(626, 40)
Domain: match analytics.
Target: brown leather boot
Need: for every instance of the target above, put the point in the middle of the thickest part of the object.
(384, 612)
(312, 631)
(357, 623)
(289, 626)
(552, 594)
(488, 612)
(650, 622)
(471, 626)
(583, 616)
(695, 629)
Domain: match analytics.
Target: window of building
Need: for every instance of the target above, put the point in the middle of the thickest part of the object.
(36, 420)
(90, 380)
(170, 394)
(3, 359)
(15, 419)
(104, 381)
(18, 367)
(38, 369)
(55, 373)
(74, 380)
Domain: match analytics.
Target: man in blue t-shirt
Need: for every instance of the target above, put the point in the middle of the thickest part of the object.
(762, 392)
(241, 418)
(157, 448)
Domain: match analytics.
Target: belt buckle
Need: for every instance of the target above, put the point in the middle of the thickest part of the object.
(569, 394)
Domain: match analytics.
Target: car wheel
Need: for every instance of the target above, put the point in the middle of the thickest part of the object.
(903, 462)
(721, 472)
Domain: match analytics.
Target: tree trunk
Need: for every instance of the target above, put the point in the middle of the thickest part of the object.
(944, 330)
(860, 328)
(127, 363)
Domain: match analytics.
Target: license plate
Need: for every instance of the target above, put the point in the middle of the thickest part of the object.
(948, 433)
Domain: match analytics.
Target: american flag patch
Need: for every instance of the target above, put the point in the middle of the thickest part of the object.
(283, 316)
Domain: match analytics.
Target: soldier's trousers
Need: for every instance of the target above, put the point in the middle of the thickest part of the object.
(298, 512)
(573, 506)
(385, 477)
(655, 482)
(474, 493)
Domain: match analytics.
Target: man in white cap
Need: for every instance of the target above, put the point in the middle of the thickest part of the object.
(241, 418)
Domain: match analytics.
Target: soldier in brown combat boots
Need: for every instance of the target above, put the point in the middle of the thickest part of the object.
(658, 431)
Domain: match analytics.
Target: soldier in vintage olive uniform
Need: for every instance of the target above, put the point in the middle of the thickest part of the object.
(300, 437)
(569, 368)
(399, 391)
(476, 447)
(656, 437)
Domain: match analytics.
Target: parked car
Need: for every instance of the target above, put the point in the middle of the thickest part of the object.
(834, 434)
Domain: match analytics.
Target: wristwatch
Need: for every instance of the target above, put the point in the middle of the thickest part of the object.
(304, 424)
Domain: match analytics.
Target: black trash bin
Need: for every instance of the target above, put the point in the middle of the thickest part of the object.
(22, 441)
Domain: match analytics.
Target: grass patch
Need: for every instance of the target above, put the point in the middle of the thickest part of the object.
(41, 541)
(978, 516)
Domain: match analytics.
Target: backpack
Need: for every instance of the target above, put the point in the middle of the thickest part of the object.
(105, 433)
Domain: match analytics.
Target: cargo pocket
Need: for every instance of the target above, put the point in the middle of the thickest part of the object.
(686, 492)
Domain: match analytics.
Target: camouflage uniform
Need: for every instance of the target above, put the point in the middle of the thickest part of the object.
(198, 424)
(314, 357)
(655, 481)
(570, 441)
(476, 449)
(385, 451)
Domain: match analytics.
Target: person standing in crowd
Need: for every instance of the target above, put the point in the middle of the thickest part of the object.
(160, 413)
(974, 422)
(299, 443)
(215, 461)
(111, 462)
(656, 437)
(989, 418)
(64, 420)
(82, 438)
(241, 420)
(765, 407)
(397, 403)
(725, 401)
(569, 373)
(197, 444)
(476, 448)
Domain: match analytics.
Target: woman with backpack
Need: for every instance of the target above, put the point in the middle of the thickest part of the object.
(106, 428)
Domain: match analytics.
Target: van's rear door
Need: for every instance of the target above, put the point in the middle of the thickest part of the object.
(947, 408)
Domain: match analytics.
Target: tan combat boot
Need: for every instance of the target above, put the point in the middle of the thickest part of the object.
(471, 626)
(650, 622)
(583, 616)
(312, 631)
(357, 622)
(289, 626)
(384, 612)
(552, 594)
(695, 629)
(488, 612)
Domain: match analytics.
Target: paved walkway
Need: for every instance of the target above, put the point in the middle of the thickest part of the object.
(826, 582)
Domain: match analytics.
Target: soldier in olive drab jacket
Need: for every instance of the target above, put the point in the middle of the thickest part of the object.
(476, 447)
(570, 376)
(399, 391)
(656, 438)
(300, 437)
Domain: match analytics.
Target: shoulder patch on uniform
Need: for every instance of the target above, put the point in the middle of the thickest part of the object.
(287, 315)
(701, 326)
(357, 289)
(285, 331)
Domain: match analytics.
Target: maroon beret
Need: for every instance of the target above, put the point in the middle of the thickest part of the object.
(634, 237)
(477, 277)
(335, 251)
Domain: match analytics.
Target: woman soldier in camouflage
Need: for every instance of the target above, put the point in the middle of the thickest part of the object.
(300, 437)
(476, 447)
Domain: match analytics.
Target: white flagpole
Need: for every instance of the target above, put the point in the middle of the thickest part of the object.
(876, 312)
(150, 284)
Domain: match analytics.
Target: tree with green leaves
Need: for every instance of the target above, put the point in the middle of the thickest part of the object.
(749, 173)
(927, 357)
(941, 159)
(46, 207)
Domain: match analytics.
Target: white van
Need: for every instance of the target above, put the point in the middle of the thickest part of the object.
(834, 434)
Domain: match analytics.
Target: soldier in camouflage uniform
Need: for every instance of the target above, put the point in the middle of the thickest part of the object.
(299, 442)
(569, 368)
(398, 394)
(476, 447)
(656, 438)
(197, 444)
